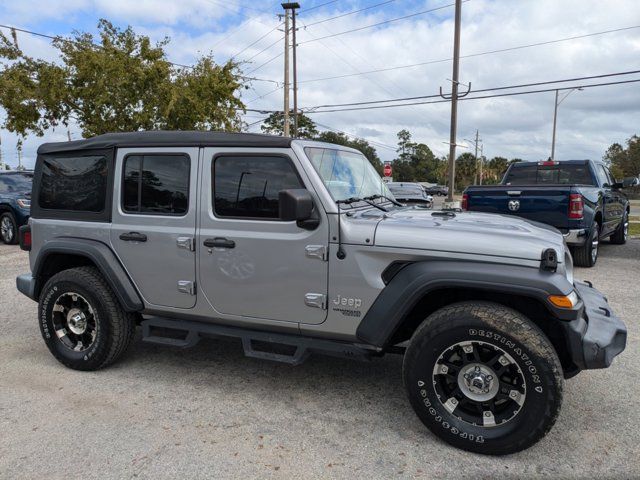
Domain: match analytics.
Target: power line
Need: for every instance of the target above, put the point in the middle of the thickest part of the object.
(265, 49)
(383, 23)
(510, 94)
(256, 41)
(266, 63)
(372, 142)
(95, 45)
(430, 62)
(523, 85)
(319, 6)
(353, 12)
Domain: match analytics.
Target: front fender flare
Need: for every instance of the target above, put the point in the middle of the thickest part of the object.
(416, 280)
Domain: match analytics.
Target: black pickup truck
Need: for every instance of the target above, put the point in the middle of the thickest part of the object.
(578, 197)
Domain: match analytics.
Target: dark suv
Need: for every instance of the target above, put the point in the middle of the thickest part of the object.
(15, 203)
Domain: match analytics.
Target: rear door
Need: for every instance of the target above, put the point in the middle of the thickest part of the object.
(610, 217)
(154, 222)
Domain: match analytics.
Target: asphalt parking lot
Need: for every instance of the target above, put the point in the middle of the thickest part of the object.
(209, 412)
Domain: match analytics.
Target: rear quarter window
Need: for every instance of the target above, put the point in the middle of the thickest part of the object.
(74, 183)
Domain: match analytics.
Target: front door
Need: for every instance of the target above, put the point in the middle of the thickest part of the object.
(154, 222)
(252, 264)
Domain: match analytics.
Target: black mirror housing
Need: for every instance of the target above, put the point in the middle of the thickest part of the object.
(295, 205)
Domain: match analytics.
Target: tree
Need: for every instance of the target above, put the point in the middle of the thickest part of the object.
(274, 125)
(624, 162)
(357, 143)
(404, 144)
(123, 83)
(466, 165)
(494, 170)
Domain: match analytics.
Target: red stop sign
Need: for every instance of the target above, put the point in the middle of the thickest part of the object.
(387, 170)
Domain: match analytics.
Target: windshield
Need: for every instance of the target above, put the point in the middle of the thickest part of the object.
(16, 182)
(558, 174)
(346, 174)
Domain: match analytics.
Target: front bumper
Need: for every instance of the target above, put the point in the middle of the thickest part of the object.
(598, 335)
(575, 237)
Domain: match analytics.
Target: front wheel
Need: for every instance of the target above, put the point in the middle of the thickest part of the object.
(587, 255)
(8, 228)
(483, 378)
(621, 234)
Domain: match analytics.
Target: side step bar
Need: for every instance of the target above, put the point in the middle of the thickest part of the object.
(187, 334)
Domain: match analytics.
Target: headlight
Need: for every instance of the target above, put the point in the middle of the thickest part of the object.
(24, 203)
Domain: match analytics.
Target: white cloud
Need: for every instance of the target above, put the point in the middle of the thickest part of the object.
(588, 121)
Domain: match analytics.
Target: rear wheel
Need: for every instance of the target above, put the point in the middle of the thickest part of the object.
(81, 320)
(621, 234)
(483, 378)
(587, 255)
(8, 228)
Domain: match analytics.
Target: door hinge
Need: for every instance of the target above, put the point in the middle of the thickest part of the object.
(316, 251)
(188, 243)
(187, 286)
(316, 300)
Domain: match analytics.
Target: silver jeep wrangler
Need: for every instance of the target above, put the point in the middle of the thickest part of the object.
(298, 247)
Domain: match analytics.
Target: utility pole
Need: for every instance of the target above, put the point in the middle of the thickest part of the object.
(475, 180)
(68, 135)
(290, 7)
(555, 119)
(286, 73)
(454, 100)
(2, 167)
(481, 161)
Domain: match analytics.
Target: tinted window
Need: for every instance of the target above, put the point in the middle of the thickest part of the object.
(559, 174)
(74, 183)
(249, 186)
(16, 182)
(156, 184)
(602, 175)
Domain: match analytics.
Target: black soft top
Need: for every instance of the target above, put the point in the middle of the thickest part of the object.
(164, 138)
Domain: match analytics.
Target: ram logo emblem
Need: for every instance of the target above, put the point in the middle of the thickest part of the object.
(514, 205)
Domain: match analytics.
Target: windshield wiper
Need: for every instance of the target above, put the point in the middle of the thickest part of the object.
(374, 197)
(367, 200)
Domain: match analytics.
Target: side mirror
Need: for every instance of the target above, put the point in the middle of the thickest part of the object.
(617, 186)
(297, 205)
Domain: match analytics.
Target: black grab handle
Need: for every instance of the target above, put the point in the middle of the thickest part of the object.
(133, 237)
(219, 242)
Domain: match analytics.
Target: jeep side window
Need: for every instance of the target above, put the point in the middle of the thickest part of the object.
(156, 184)
(75, 183)
(248, 186)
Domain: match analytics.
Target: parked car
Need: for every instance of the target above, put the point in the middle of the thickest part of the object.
(578, 197)
(439, 190)
(410, 194)
(15, 203)
(297, 247)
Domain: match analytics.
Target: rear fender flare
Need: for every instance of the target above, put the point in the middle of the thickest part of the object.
(102, 257)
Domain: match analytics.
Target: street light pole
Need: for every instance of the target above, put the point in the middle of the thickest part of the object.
(555, 117)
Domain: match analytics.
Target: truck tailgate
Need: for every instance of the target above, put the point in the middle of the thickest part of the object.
(547, 204)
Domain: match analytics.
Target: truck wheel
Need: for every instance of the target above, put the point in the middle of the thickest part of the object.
(619, 237)
(587, 255)
(8, 229)
(81, 320)
(483, 378)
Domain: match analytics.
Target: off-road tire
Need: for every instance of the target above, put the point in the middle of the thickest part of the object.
(115, 328)
(485, 325)
(12, 238)
(619, 237)
(583, 255)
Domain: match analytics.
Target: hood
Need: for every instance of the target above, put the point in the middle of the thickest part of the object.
(468, 232)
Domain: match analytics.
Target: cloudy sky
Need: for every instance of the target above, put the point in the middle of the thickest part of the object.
(519, 126)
